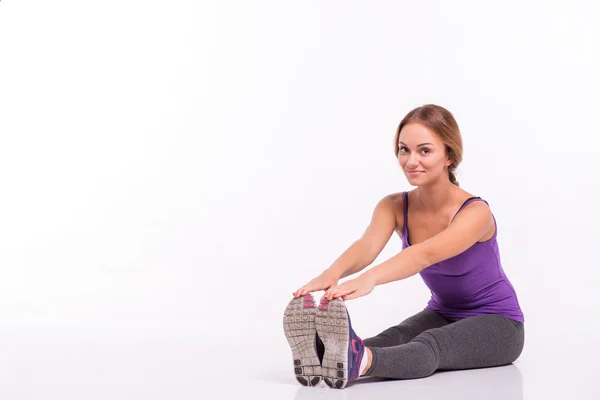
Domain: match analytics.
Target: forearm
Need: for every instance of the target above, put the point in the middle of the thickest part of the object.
(353, 260)
(407, 263)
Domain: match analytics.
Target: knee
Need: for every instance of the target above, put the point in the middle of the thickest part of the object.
(412, 360)
(518, 344)
(428, 360)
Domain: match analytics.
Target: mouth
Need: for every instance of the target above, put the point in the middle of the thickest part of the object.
(414, 172)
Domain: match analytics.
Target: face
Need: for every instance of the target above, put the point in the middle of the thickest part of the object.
(422, 155)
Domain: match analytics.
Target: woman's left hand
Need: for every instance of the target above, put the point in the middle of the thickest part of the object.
(352, 289)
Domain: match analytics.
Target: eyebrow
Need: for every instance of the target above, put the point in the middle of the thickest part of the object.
(419, 145)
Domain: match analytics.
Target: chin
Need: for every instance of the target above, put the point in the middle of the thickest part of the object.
(414, 182)
(417, 180)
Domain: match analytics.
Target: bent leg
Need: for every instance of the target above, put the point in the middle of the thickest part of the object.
(474, 342)
(407, 330)
(478, 342)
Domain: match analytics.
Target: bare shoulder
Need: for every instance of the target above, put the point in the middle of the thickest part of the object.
(478, 210)
(394, 197)
(395, 202)
(463, 195)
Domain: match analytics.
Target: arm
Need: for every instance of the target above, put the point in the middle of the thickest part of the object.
(469, 226)
(366, 249)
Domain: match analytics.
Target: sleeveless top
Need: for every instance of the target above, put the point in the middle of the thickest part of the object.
(470, 283)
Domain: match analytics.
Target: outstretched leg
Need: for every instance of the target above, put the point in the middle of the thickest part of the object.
(407, 330)
(475, 342)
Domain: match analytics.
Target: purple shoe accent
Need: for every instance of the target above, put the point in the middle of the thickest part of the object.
(344, 349)
(355, 352)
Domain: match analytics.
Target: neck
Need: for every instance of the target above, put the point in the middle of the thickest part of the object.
(433, 198)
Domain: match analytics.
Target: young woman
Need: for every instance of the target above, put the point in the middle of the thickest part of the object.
(473, 318)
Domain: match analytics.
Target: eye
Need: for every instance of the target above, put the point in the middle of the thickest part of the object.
(404, 149)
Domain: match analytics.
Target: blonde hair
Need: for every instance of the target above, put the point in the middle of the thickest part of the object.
(442, 122)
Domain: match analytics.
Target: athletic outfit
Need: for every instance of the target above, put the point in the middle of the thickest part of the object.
(472, 320)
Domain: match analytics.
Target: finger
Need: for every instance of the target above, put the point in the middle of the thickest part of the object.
(333, 290)
(351, 296)
(331, 293)
(344, 290)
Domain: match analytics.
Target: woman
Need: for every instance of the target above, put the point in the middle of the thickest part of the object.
(473, 318)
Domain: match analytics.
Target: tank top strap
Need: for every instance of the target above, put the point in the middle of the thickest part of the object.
(405, 227)
(467, 202)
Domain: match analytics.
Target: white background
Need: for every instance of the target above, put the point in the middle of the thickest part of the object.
(172, 171)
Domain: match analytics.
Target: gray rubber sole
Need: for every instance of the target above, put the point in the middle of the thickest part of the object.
(332, 326)
(299, 328)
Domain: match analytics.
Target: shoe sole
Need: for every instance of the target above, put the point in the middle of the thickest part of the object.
(331, 321)
(299, 328)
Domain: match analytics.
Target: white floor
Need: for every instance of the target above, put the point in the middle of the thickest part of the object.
(254, 362)
(172, 171)
(558, 362)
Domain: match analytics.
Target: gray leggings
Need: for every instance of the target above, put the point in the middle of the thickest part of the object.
(427, 341)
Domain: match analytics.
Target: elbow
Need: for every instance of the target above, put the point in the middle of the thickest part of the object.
(424, 258)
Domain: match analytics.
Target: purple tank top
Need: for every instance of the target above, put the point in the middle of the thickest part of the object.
(470, 283)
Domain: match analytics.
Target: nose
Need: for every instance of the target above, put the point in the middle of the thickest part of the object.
(413, 161)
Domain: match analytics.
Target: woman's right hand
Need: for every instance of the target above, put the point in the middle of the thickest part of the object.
(321, 282)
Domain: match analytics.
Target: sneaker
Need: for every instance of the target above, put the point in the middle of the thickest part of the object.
(307, 347)
(344, 350)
